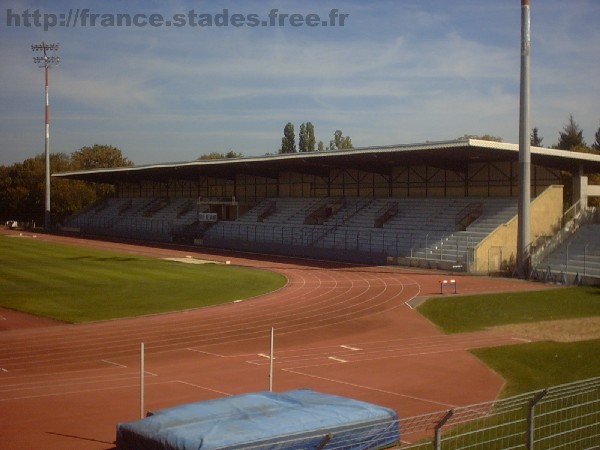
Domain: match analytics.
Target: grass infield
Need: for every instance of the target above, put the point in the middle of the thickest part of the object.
(532, 366)
(477, 312)
(76, 284)
(529, 367)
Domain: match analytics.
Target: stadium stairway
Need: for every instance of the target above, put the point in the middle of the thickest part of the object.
(577, 255)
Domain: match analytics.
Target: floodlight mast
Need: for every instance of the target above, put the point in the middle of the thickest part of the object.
(524, 226)
(46, 62)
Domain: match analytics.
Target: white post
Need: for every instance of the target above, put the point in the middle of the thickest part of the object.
(142, 380)
(271, 360)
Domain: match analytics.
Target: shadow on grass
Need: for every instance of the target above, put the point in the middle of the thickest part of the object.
(103, 259)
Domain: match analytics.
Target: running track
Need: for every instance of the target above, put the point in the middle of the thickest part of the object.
(341, 329)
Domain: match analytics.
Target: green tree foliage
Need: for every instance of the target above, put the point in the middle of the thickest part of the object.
(218, 155)
(596, 144)
(310, 136)
(70, 196)
(340, 142)
(302, 139)
(98, 157)
(23, 185)
(483, 137)
(288, 141)
(571, 136)
(22, 195)
(306, 138)
(535, 139)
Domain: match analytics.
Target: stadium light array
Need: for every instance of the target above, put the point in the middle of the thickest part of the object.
(46, 61)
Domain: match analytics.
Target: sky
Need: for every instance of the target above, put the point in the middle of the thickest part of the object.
(394, 72)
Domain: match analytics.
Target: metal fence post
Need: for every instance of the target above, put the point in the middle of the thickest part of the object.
(531, 418)
(437, 442)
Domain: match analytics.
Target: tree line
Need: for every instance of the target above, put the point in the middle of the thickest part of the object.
(23, 185)
(307, 140)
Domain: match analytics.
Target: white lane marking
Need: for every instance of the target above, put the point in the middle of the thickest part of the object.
(354, 349)
(191, 349)
(113, 363)
(520, 339)
(338, 359)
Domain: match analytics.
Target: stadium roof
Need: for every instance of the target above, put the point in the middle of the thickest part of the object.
(455, 155)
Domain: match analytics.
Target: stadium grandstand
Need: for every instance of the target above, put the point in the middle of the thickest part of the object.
(450, 204)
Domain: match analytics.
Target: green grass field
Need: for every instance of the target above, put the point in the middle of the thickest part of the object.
(477, 312)
(76, 284)
(534, 366)
(526, 367)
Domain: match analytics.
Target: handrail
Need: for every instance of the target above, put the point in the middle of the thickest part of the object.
(468, 214)
(569, 223)
(269, 209)
(324, 211)
(390, 210)
(186, 207)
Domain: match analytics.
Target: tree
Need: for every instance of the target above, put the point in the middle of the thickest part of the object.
(535, 139)
(98, 157)
(218, 155)
(70, 196)
(26, 193)
(310, 136)
(302, 139)
(596, 144)
(288, 141)
(306, 138)
(23, 187)
(340, 142)
(571, 136)
(483, 137)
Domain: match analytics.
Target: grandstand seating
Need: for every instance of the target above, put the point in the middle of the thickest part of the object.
(141, 218)
(577, 255)
(432, 229)
(417, 228)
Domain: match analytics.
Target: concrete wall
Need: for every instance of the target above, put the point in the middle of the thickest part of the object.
(501, 245)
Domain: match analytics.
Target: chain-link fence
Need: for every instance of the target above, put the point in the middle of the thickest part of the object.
(561, 417)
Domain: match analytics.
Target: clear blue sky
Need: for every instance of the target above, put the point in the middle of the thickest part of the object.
(396, 72)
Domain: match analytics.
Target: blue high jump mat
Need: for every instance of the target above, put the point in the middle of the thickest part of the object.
(298, 419)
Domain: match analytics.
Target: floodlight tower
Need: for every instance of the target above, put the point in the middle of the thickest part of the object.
(46, 61)
(524, 227)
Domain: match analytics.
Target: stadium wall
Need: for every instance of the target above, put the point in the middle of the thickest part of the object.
(500, 247)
